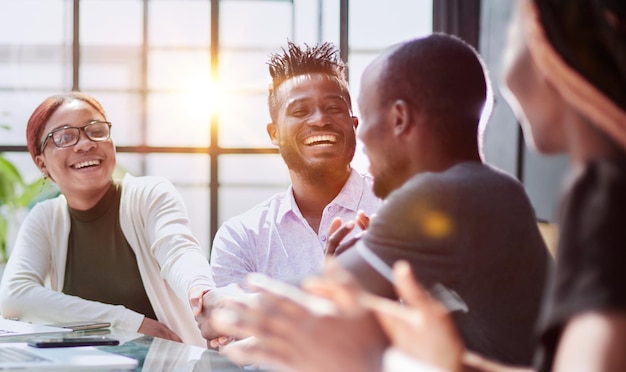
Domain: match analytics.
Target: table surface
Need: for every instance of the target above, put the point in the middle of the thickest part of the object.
(153, 353)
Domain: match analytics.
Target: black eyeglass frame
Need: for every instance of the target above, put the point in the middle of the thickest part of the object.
(93, 122)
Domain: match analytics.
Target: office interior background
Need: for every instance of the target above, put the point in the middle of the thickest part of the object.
(184, 83)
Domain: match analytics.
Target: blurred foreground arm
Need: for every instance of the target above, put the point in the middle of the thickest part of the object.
(593, 341)
(422, 328)
(297, 330)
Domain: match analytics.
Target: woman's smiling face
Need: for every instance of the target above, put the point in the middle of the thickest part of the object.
(85, 168)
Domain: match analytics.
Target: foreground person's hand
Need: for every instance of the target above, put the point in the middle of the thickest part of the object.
(300, 331)
(421, 327)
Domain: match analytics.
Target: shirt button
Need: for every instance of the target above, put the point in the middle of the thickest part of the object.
(330, 209)
(323, 238)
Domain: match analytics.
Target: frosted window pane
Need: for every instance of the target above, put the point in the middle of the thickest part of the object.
(255, 23)
(110, 76)
(265, 170)
(246, 70)
(378, 24)
(111, 22)
(35, 22)
(178, 70)
(331, 20)
(128, 163)
(179, 23)
(358, 62)
(177, 120)
(15, 109)
(243, 121)
(48, 74)
(306, 21)
(188, 169)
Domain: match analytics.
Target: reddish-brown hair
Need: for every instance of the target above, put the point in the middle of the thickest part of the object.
(42, 113)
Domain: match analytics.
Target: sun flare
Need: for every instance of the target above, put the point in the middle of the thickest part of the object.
(201, 96)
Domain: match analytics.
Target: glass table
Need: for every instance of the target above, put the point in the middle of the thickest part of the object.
(153, 353)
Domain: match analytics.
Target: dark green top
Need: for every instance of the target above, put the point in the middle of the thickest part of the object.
(101, 265)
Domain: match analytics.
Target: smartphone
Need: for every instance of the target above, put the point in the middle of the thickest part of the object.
(71, 341)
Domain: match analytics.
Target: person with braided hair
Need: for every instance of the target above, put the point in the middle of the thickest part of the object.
(314, 129)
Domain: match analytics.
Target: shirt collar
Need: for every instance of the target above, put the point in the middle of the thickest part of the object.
(348, 197)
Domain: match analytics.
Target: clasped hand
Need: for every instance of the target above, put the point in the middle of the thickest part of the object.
(337, 232)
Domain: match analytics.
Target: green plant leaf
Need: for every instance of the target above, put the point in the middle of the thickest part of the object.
(35, 191)
(10, 181)
(3, 238)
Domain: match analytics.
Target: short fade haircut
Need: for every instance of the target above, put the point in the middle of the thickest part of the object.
(443, 76)
(295, 60)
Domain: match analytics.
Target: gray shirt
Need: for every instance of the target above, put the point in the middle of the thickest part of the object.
(471, 229)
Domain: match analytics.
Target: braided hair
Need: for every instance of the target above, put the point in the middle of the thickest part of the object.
(295, 60)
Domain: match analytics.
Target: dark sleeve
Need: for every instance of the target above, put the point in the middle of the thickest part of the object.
(591, 264)
(417, 223)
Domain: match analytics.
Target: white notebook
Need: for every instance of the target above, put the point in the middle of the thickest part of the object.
(20, 356)
(12, 328)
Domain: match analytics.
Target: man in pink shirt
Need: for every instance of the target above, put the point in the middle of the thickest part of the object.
(312, 124)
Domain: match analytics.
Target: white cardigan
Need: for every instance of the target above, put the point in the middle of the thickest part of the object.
(154, 221)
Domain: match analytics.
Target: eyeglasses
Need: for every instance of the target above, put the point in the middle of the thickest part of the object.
(97, 131)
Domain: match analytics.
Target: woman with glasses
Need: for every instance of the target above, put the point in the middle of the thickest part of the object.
(108, 250)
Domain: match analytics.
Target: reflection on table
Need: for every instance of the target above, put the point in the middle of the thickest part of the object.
(153, 353)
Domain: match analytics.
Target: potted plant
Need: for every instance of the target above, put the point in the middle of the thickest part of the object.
(16, 195)
(10, 184)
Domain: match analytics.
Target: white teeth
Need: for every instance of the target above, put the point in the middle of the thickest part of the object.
(324, 138)
(86, 164)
